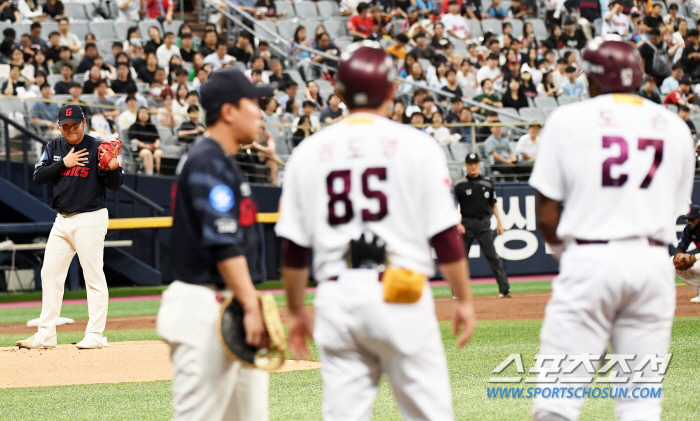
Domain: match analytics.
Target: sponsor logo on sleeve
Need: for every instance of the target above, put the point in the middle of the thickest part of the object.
(226, 225)
(221, 198)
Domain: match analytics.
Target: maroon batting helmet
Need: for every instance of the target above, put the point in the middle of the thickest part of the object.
(612, 64)
(365, 75)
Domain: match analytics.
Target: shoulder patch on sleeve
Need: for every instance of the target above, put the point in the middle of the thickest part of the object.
(221, 198)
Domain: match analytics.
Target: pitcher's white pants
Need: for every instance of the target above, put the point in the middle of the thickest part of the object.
(83, 233)
(622, 293)
(207, 385)
(360, 337)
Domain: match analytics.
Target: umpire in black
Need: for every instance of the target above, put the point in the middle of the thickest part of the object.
(477, 200)
(215, 244)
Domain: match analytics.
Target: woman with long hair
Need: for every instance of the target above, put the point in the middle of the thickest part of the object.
(54, 9)
(197, 63)
(40, 64)
(417, 75)
(29, 10)
(410, 59)
(398, 113)
(528, 85)
(173, 66)
(441, 74)
(466, 76)
(547, 87)
(94, 76)
(304, 130)
(145, 134)
(298, 40)
(529, 38)
(515, 95)
(166, 117)
(180, 104)
(312, 95)
(439, 41)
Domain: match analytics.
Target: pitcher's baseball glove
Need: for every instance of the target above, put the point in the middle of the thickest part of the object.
(683, 261)
(112, 148)
(232, 335)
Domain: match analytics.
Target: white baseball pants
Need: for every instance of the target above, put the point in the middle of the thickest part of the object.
(83, 233)
(360, 337)
(207, 385)
(622, 293)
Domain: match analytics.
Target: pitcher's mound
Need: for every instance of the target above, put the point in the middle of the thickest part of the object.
(140, 361)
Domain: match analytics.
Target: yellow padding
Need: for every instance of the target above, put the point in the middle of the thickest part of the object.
(167, 221)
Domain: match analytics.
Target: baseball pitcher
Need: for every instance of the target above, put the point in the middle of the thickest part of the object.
(377, 196)
(612, 175)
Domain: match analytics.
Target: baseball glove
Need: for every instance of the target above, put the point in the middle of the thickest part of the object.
(112, 147)
(683, 261)
(232, 335)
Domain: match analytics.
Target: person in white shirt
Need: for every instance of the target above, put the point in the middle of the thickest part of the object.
(68, 39)
(490, 71)
(167, 50)
(527, 145)
(455, 24)
(559, 74)
(129, 10)
(307, 108)
(29, 10)
(615, 22)
(219, 58)
(128, 117)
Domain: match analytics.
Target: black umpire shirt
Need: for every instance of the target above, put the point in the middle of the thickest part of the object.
(475, 196)
(214, 217)
(77, 189)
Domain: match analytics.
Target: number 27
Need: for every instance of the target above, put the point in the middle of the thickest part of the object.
(609, 141)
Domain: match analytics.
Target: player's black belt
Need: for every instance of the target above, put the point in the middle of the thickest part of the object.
(335, 278)
(68, 215)
(652, 242)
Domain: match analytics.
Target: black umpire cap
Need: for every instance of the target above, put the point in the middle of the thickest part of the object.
(70, 113)
(472, 157)
(229, 85)
(694, 212)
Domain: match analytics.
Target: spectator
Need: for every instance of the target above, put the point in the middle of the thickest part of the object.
(117, 48)
(219, 58)
(684, 113)
(44, 114)
(456, 106)
(304, 128)
(119, 85)
(209, 43)
(109, 111)
(423, 49)
(465, 117)
(559, 74)
(555, 40)
(419, 96)
(147, 140)
(256, 77)
(528, 84)
(483, 132)
(87, 61)
(499, 151)
(29, 10)
(158, 9)
(451, 85)
(428, 109)
(292, 107)
(642, 35)
(691, 56)
(147, 73)
(671, 20)
(64, 58)
(547, 87)
(189, 130)
(589, 11)
(167, 50)
(655, 19)
(398, 113)
(655, 59)
(308, 108)
(129, 10)
(54, 9)
(439, 132)
(35, 40)
(675, 49)
(361, 25)
(487, 97)
(202, 76)
(455, 24)
(311, 93)
(128, 117)
(682, 95)
(131, 90)
(265, 53)
(166, 116)
(8, 12)
(439, 41)
(614, 21)
(417, 76)
(417, 120)
(69, 39)
(398, 48)
(516, 10)
(572, 36)
(648, 90)
(62, 87)
(496, 11)
(573, 87)
(53, 50)
(323, 43)
(515, 95)
(155, 41)
(466, 76)
(18, 59)
(491, 71)
(281, 79)
(671, 83)
(510, 71)
(527, 145)
(681, 33)
(258, 63)
(243, 50)
(94, 77)
(186, 51)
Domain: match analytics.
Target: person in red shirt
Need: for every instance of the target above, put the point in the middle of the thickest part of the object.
(160, 8)
(680, 96)
(361, 25)
(445, 7)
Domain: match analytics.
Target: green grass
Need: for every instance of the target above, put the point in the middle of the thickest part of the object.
(297, 395)
(74, 337)
(15, 297)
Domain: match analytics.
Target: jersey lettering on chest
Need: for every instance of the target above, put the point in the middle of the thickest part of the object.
(76, 172)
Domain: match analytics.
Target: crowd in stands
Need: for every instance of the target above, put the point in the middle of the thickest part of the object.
(462, 61)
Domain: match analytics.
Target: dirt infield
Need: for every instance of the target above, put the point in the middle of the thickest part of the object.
(141, 361)
(521, 307)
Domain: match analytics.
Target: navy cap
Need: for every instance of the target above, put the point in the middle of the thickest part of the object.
(229, 85)
(70, 113)
(472, 157)
(694, 212)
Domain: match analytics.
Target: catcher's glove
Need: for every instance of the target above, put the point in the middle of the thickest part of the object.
(112, 147)
(232, 335)
(683, 261)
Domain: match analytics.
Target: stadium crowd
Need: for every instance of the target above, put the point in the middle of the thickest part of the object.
(462, 61)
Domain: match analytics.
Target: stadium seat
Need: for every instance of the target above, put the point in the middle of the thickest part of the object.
(89, 98)
(114, 8)
(173, 27)
(143, 28)
(598, 25)
(692, 24)
(21, 28)
(312, 24)
(425, 63)
(492, 25)
(385, 43)
(286, 6)
(52, 79)
(508, 115)
(187, 65)
(46, 29)
(396, 29)
(328, 9)
(286, 28)
(80, 28)
(448, 153)
(671, 107)
(76, 10)
(121, 28)
(335, 28)
(264, 35)
(296, 76)
(143, 87)
(545, 102)
(240, 66)
(475, 30)
(531, 114)
(540, 29)
(460, 150)
(547, 111)
(458, 43)
(61, 98)
(517, 26)
(104, 31)
(563, 100)
(456, 170)
(306, 10)
(19, 105)
(79, 78)
(104, 47)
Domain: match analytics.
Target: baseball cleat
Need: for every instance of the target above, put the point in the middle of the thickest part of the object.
(31, 343)
(509, 295)
(695, 300)
(92, 343)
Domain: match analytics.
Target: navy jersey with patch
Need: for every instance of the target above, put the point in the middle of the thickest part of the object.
(689, 235)
(77, 189)
(214, 217)
(475, 196)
